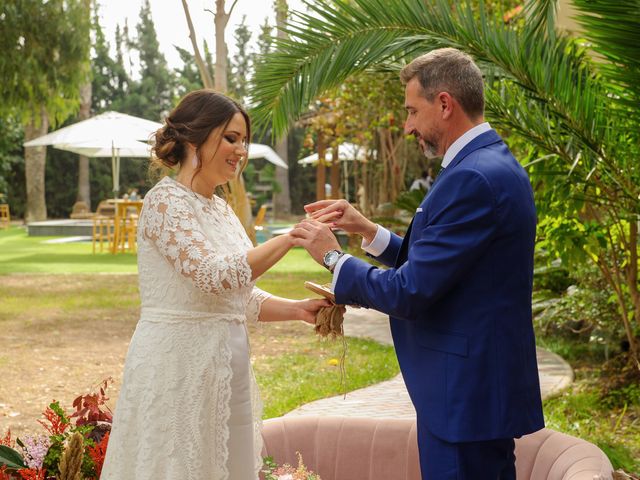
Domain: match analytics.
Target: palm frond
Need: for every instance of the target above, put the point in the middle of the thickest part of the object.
(613, 28)
(541, 16)
(325, 46)
(553, 94)
(338, 39)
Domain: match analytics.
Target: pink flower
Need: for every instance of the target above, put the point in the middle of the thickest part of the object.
(35, 449)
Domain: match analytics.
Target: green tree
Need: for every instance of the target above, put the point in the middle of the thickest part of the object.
(45, 60)
(265, 41)
(578, 117)
(152, 96)
(188, 76)
(241, 65)
(11, 164)
(109, 77)
(110, 87)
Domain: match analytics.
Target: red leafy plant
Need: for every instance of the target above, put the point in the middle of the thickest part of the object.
(39, 457)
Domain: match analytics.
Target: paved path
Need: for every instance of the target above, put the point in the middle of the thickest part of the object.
(390, 398)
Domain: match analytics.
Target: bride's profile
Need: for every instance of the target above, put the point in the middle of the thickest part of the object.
(189, 407)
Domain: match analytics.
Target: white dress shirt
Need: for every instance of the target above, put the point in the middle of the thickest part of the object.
(383, 236)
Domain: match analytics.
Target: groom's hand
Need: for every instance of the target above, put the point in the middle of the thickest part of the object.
(341, 214)
(317, 238)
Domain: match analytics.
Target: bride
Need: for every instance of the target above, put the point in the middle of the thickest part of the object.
(189, 406)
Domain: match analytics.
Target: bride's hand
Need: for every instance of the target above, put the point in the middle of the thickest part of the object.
(308, 308)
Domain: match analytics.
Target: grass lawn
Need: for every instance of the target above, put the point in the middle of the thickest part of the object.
(63, 334)
(20, 253)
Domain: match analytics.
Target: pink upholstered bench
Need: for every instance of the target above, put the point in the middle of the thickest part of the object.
(344, 448)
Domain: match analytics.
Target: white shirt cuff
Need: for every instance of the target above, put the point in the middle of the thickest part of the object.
(336, 270)
(379, 243)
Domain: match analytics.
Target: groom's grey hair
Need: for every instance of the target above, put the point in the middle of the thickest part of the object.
(452, 71)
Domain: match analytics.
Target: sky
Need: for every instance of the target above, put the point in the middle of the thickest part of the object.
(171, 24)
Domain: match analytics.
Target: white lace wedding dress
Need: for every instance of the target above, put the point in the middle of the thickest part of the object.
(189, 407)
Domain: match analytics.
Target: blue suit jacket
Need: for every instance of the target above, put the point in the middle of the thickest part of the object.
(459, 296)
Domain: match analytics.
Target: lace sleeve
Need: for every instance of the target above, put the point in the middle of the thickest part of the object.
(255, 303)
(169, 222)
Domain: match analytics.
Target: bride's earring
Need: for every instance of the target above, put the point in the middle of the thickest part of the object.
(194, 161)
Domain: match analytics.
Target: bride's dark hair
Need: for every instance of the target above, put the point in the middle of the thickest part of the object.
(191, 121)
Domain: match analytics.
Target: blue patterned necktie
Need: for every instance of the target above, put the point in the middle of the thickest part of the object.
(437, 178)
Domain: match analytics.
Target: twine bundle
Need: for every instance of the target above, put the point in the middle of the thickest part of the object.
(329, 321)
(71, 461)
(329, 325)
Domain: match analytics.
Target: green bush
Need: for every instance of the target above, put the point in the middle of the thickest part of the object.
(550, 274)
(585, 312)
(623, 396)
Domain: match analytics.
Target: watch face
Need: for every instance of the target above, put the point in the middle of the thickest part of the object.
(331, 257)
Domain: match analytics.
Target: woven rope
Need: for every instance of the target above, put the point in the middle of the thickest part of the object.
(329, 325)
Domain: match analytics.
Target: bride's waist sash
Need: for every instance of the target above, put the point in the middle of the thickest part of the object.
(162, 315)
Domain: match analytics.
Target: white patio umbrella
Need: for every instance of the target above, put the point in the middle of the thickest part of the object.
(110, 126)
(110, 134)
(346, 152)
(114, 149)
(258, 150)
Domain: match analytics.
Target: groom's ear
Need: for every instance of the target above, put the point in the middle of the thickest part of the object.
(446, 104)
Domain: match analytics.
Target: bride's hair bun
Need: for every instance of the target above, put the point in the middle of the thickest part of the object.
(169, 146)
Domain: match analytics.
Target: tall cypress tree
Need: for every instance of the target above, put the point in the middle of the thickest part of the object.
(187, 77)
(110, 86)
(150, 97)
(241, 63)
(110, 79)
(265, 40)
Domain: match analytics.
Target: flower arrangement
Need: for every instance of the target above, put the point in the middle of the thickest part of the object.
(73, 448)
(272, 471)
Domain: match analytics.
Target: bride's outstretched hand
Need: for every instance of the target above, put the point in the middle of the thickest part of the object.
(308, 308)
(341, 214)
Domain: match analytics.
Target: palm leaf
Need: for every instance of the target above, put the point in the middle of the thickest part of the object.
(325, 47)
(541, 16)
(338, 39)
(543, 86)
(613, 28)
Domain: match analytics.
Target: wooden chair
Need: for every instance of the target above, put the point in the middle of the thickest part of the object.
(258, 223)
(104, 225)
(126, 225)
(106, 209)
(103, 230)
(80, 210)
(5, 216)
(129, 233)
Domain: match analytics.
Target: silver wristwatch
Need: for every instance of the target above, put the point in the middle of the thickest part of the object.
(330, 259)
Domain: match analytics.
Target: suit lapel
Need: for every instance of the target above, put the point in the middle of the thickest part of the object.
(404, 247)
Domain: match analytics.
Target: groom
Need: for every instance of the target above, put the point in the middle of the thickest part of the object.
(458, 286)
